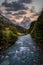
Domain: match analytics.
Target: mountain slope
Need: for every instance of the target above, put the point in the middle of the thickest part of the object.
(7, 35)
(25, 23)
(9, 32)
(37, 31)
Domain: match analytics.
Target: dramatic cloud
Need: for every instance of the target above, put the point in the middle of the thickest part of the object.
(25, 1)
(14, 6)
(20, 13)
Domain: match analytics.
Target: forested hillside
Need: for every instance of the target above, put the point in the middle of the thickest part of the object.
(37, 30)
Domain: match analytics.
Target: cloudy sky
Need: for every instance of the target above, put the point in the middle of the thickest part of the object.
(24, 6)
(38, 4)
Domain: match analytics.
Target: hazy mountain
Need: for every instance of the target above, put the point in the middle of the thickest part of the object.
(25, 23)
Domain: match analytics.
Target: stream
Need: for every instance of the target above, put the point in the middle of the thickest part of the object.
(23, 52)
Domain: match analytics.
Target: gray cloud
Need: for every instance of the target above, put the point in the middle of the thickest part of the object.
(20, 13)
(17, 5)
(24, 1)
(14, 6)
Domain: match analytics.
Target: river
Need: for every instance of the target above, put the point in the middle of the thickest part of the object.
(23, 52)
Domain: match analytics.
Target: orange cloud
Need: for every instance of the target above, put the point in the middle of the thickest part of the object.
(28, 14)
(13, 18)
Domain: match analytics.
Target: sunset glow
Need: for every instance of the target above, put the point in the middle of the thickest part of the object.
(28, 14)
